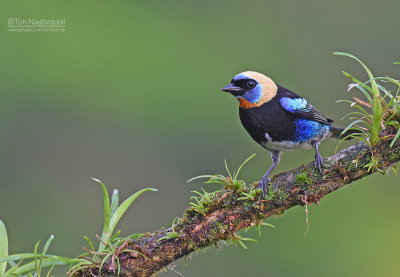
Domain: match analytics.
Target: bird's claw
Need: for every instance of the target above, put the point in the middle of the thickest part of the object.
(264, 185)
(319, 162)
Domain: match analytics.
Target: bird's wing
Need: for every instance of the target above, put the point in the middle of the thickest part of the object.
(301, 108)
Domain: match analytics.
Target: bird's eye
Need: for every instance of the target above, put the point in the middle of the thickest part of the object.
(251, 84)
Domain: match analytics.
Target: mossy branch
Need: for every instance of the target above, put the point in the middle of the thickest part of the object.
(228, 212)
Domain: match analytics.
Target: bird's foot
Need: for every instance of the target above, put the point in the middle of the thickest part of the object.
(264, 185)
(319, 162)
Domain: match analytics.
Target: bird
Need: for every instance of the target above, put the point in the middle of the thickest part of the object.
(280, 120)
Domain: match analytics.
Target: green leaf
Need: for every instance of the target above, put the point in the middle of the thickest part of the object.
(32, 265)
(114, 201)
(3, 247)
(374, 85)
(389, 79)
(382, 88)
(240, 167)
(395, 138)
(199, 177)
(227, 170)
(35, 252)
(49, 272)
(363, 111)
(377, 105)
(46, 246)
(264, 224)
(268, 224)
(124, 206)
(48, 260)
(358, 82)
(17, 257)
(115, 236)
(104, 260)
(118, 266)
(78, 267)
(361, 115)
(243, 245)
(134, 236)
(248, 239)
(106, 228)
(351, 124)
(360, 85)
(90, 242)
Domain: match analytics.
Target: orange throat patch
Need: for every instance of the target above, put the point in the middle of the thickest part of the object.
(245, 104)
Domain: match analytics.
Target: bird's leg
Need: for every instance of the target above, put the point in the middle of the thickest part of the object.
(275, 155)
(319, 162)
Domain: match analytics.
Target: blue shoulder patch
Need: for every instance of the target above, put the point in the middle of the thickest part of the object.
(294, 104)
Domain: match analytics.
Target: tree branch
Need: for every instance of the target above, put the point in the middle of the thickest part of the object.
(226, 213)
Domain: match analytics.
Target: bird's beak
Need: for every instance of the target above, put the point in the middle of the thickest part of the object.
(233, 89)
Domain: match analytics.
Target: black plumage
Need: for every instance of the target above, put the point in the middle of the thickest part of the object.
(270, 118)
(279, 119)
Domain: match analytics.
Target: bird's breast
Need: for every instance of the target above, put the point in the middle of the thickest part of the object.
(269, 118)
(277, 130)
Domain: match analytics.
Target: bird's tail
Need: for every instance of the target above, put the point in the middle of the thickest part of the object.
(337, 133)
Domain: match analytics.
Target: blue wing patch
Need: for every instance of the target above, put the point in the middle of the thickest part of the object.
(301, 108)
(294, 104)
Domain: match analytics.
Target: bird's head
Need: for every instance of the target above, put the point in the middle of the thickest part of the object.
(252, 89)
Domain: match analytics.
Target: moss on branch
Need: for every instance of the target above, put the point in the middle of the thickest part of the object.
(225, 212)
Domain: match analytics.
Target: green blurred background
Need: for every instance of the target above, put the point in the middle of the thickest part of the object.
(130, 94)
